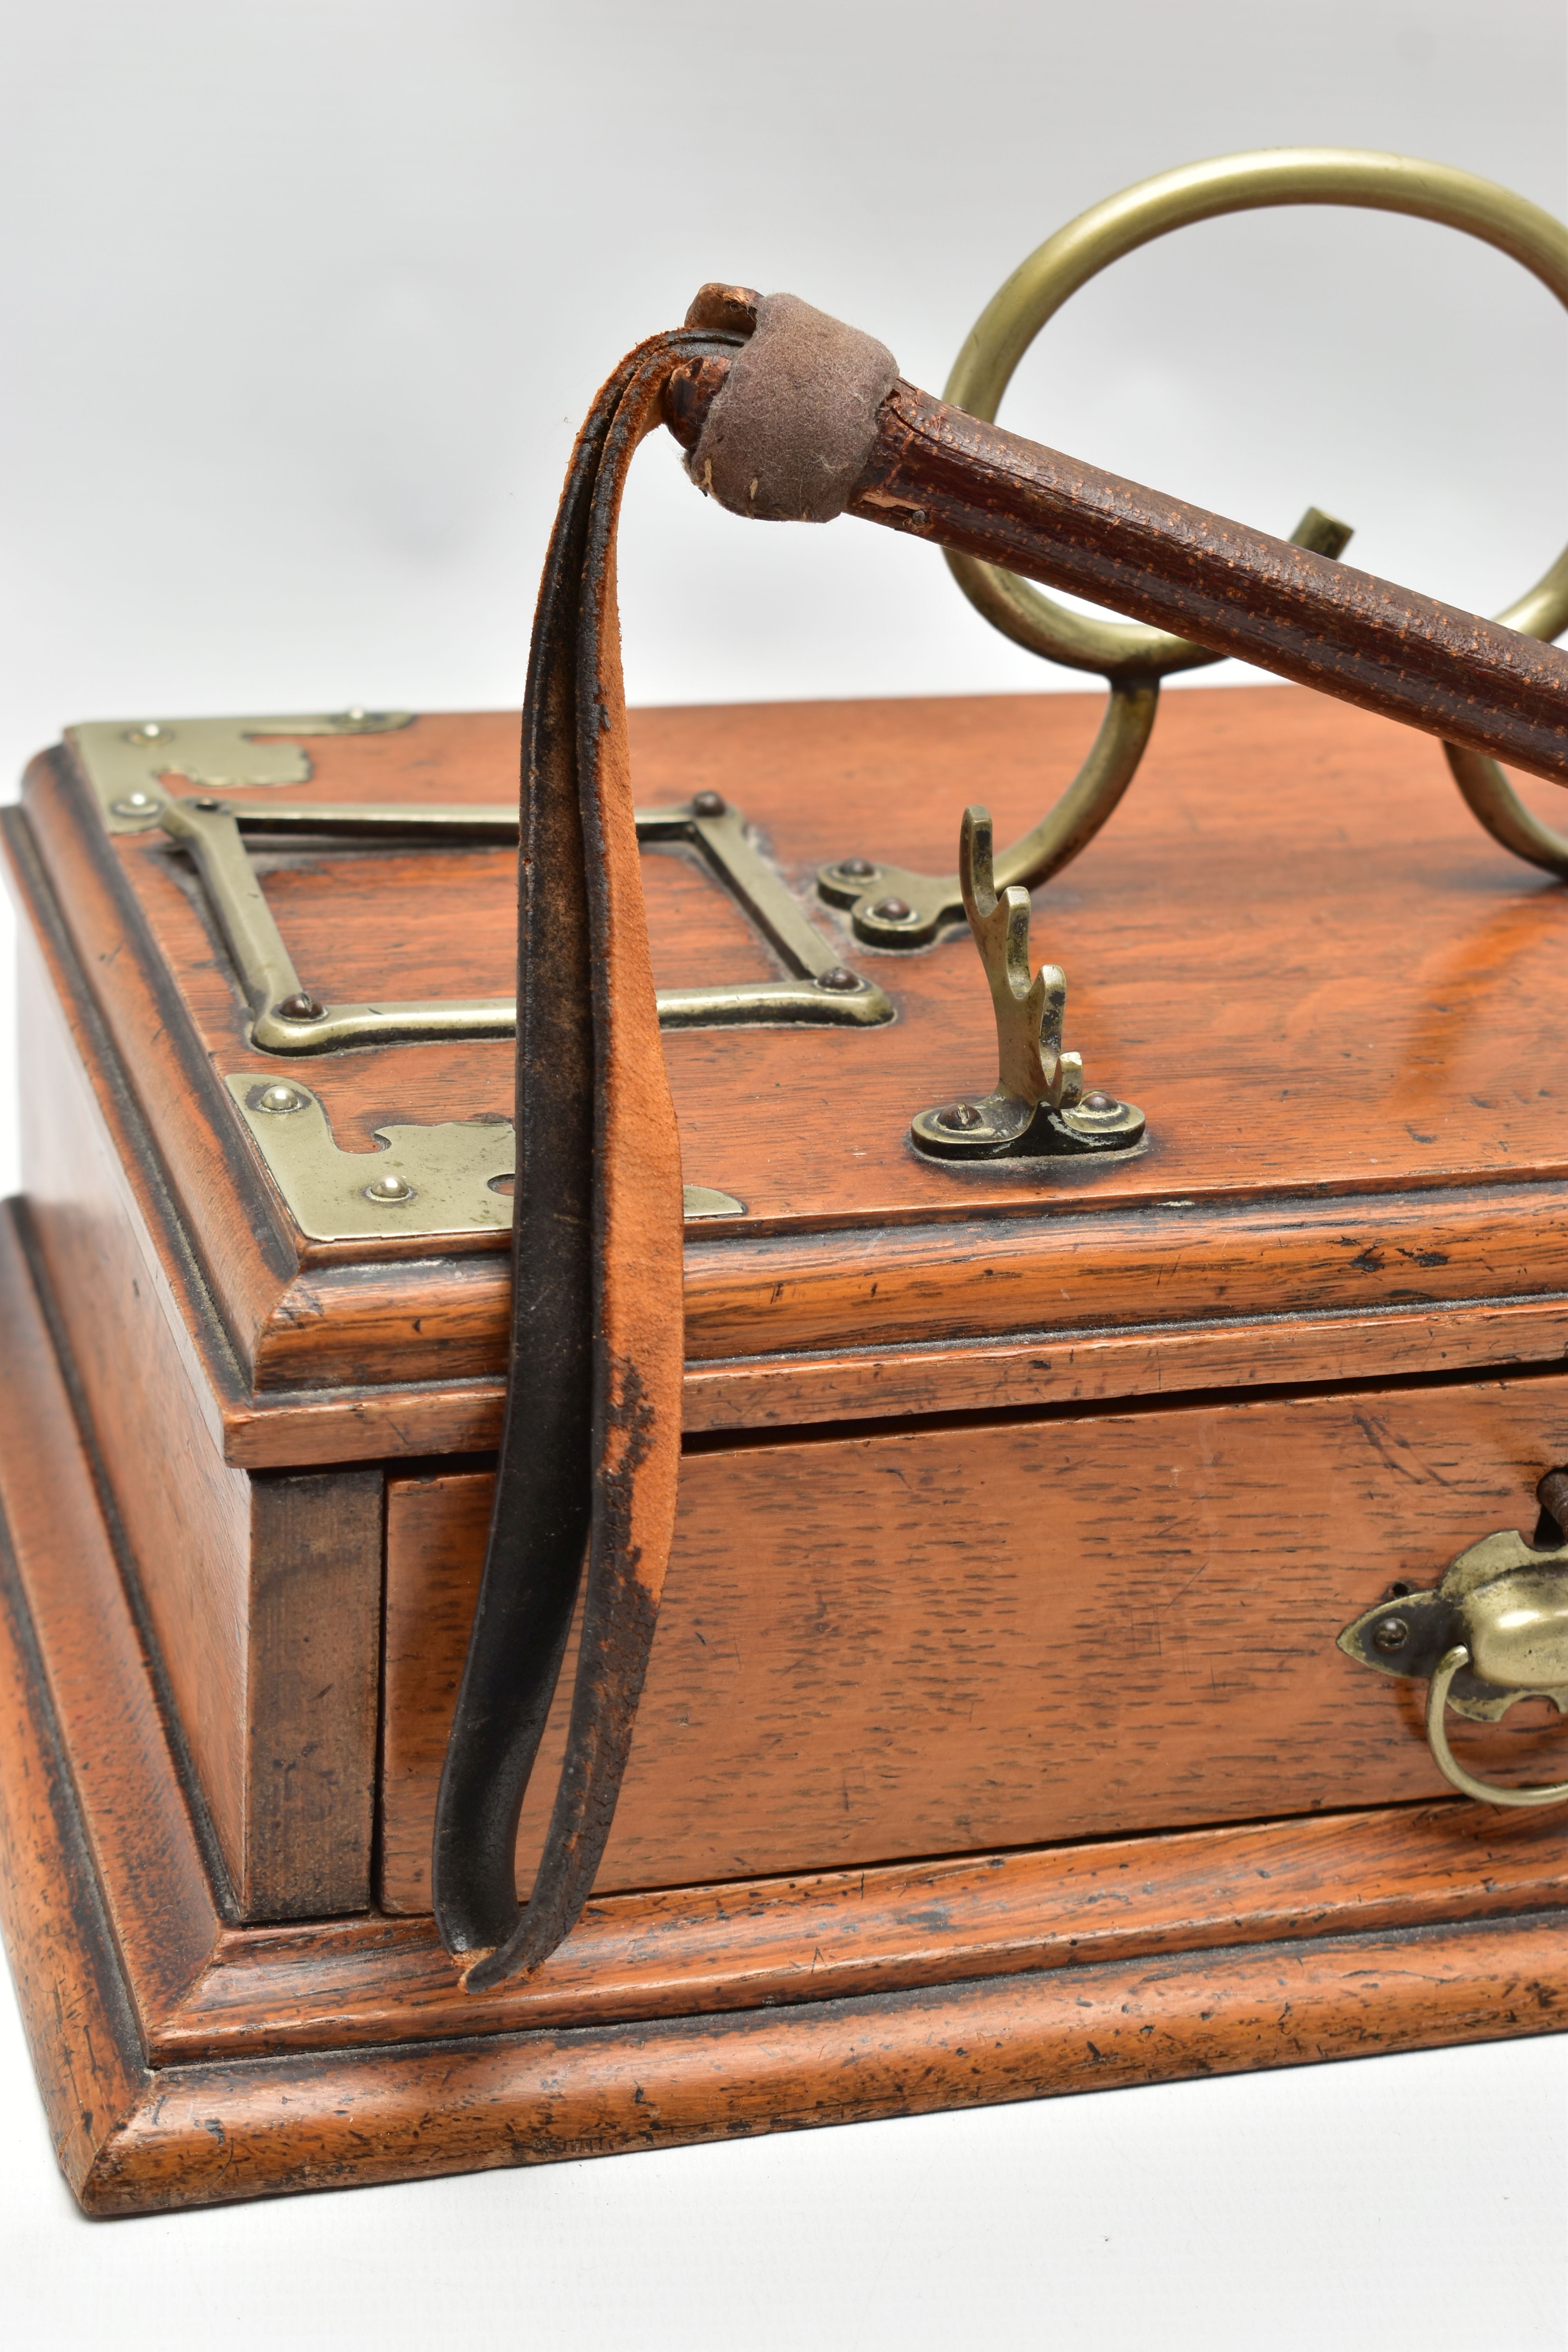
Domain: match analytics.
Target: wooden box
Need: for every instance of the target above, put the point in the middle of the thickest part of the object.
(997, 1739)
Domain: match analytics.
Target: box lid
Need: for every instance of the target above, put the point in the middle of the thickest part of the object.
(1328, 993)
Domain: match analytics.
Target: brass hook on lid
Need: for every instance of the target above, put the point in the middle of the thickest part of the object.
(1038, 1107)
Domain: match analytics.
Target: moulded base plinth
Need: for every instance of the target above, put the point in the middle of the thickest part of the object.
(184, 2060)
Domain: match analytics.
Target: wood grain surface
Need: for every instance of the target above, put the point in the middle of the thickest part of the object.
(313, 1691)
(211, 2134)
(747, 1944)
(1315, 1059)
(141, 1246)
(84, 1664)
(957, 1639)
(331, 2053)
(1311, 1044)
(263, 1591)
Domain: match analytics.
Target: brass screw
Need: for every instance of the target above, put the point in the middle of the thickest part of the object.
(389, 1191)
(708, 804)
(1390, 1634)
(959, 1115)
(839, 976)
(280, 1099)
(892, 910)
(300, 1008)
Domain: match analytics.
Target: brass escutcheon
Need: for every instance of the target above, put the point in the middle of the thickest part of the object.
(1492, 1632)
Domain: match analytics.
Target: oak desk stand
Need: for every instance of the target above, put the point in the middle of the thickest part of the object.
(1353, 1265)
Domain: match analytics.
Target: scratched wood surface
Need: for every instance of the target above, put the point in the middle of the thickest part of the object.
(1232, 966)
(184, 2061)
(221, 2132)
(1230, 958)
(86, 1119)
(263, 1589)
(956, 1638)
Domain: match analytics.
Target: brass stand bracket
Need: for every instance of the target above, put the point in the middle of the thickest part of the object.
(1038, 1108)
(891, 907)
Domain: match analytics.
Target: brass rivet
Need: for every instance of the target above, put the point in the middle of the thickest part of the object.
(300, 1008)
(1390, 1634)
(137, 804)
(209, 806)
(1099, 1102)
(858, 869)
(387, 1191)
(959, 1115)
(837, 976)
(892, 910)
(150, 731)
(280, 1099)
(708, 804)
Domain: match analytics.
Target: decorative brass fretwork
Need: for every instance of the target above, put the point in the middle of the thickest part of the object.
(814, 986)
(129, 763)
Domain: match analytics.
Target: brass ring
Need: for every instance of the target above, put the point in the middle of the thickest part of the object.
(1488, 1792)
(1233, 183)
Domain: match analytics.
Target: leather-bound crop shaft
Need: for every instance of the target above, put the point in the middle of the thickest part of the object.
(938, 474)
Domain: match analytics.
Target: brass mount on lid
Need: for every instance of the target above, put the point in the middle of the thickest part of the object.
(1038, 1108)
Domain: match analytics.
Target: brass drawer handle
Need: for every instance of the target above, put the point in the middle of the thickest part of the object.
(1488, 1792)
(1492, 1632)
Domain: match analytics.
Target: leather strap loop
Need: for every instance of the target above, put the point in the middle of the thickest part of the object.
(590, 1451)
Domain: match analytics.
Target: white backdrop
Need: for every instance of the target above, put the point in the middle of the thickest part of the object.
(303, 300)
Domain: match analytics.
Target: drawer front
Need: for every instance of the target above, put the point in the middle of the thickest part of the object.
(941, 1640)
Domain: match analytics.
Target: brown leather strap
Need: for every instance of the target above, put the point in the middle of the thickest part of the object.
(590, 1446)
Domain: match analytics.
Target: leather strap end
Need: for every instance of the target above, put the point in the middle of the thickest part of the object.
(789, 430)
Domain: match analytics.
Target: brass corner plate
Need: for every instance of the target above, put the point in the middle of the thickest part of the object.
(424, 1181)
(705, 1201)
(126, 760)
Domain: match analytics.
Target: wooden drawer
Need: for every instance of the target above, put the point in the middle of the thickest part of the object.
(954, 1639)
